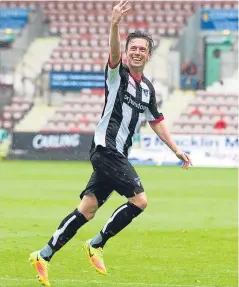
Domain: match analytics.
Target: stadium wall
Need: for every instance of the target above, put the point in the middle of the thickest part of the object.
(205, 150)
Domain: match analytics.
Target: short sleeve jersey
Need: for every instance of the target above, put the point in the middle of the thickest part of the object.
(127, 102)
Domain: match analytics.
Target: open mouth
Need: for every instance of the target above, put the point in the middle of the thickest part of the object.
(137, 60)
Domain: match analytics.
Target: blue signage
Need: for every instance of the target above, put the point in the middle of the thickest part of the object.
(15, 13)
(74, 81)
(219, 20)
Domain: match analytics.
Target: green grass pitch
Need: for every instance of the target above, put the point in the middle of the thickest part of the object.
(186, 237)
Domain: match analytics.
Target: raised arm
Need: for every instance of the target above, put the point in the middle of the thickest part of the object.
(114, 40)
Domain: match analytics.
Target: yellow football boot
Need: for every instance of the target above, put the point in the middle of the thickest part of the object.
(41, 267)
(95, 256)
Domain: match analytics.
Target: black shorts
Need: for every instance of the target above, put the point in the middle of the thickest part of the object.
(112, 171)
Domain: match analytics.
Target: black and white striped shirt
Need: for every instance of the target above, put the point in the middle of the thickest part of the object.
(127, 100)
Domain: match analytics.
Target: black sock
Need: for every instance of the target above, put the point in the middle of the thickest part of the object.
(119, 220)
(66, 230)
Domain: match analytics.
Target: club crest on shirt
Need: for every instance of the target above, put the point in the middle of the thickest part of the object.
(137, 180)
(146, 92)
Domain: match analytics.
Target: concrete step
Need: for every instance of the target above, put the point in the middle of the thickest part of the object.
(31, 64)
(36, 118)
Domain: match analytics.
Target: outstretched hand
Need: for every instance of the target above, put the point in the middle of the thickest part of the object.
(185, 158)
(119, 10)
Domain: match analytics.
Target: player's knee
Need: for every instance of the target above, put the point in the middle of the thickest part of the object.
(88, 206)
(142, 204)
(89, 215)
(139, 200)
(89, 212)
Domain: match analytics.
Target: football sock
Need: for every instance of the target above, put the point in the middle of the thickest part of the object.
(119, 220)
(66, 230)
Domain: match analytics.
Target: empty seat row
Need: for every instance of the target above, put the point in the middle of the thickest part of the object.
(69, 127)
(17, 107)
(205, 122)
(75, 97)
(76, 55)
(195, 125)
(92, 28)
(75, 120)
(214, 106)
(202, 93)
(81, 53)
(207, 118)
(106, 5)
(68, 40)
(198, 129)
(94, 6)
(15, 116)
(211, 113)
(162, 29)
(86, 40)
(68, 116)
(212, 109)
(215, 100)
(73, 65)
(82, 108)
(105, 17)
(84, 99)
(80, 49)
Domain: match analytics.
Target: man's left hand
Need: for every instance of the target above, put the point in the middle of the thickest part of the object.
(185, 158)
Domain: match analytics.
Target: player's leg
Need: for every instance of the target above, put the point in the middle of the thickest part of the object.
(126, 182)
(70, 225)
(102, 189)
(66, 230)
(72, 222)
(121, 217)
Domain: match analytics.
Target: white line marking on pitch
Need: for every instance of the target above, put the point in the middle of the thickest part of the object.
(108, 282)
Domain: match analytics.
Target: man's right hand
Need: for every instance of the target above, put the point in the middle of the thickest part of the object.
(119, 10)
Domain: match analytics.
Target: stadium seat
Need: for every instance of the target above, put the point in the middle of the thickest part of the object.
(7, 124)
(215, 110)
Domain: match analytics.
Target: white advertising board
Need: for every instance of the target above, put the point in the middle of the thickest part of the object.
(206, 151)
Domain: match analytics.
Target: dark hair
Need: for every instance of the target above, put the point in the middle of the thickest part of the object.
(143, 35)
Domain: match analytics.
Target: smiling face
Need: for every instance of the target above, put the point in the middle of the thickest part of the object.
(137, 53)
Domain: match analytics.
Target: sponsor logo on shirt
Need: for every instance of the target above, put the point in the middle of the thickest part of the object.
(133, 103)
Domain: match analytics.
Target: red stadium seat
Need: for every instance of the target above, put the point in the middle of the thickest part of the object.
(220, 124)
(196, 111)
